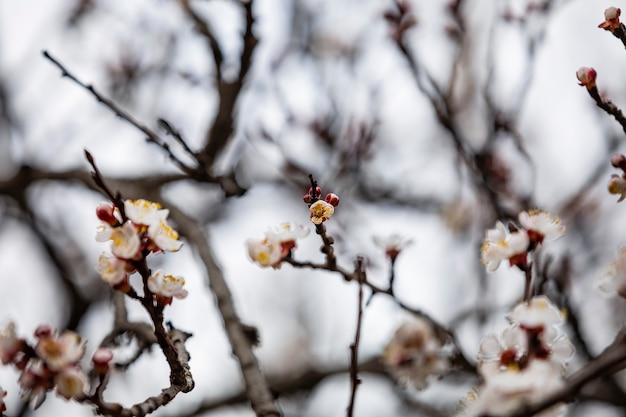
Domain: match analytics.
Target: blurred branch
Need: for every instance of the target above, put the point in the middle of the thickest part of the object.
(222, 128)
(153, 137)
(239, 335)
(305, 381)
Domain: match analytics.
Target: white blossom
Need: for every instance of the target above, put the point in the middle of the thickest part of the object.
(500, 245)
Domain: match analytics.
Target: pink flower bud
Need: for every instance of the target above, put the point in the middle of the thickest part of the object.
(101, 360)
(332, 199)
(619, 161)
(587, 77)
(106, 213)
(307, 198)
(43, 331)
(318, 192)
(611, 19)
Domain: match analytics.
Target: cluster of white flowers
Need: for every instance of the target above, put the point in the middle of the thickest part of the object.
(524, 364)
(414, 355)
(277, 243)
(53, 363)
(514, 244)
(145, 231)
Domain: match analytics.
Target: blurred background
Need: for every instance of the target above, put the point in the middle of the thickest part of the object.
(432, 131)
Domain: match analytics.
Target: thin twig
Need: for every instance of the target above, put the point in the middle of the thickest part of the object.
(355, 381)
(608, 106)
(153, 137)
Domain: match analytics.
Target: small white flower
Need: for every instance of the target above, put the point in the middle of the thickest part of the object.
(71, 382)
(287, 232)
(541, 225)
(321, 211)
(112, 270)
(126, 243)
(265, 252)
(164, 236)
(144, 212)
(414, 354)
(166, 285)
(538, 312)
(500, 245)
(62, 351)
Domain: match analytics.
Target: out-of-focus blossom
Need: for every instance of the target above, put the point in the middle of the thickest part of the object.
(611, 19)
(500, 245)
(498, 353)
(114, 271)
(321, 211)
(617, 186)
(71, 382)
(392, 244)
(10, 344)
(166, 286)
(414, 354)
(614, 280)
(587, 77)
(35, 382)
(286, 232)
(62, 351)
(265, 252)
(125, 241)
(538, 312)
(164, 237)
(541, 226)
(507, 391)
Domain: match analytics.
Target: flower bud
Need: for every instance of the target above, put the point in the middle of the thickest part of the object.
(307, 198)
(619, 161)
(611, 19)
(332, 199)
(101, 360)
(43, 331)
(617, 185)
(106, 213)
(587, 77)
(318, 192)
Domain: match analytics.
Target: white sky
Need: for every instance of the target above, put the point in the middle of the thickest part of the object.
(306, 317)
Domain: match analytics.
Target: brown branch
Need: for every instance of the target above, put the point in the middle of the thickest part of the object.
(257, 388)
(152, 136)
(222, 128)
(355, 381)
(149, 405)
(608, 106)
